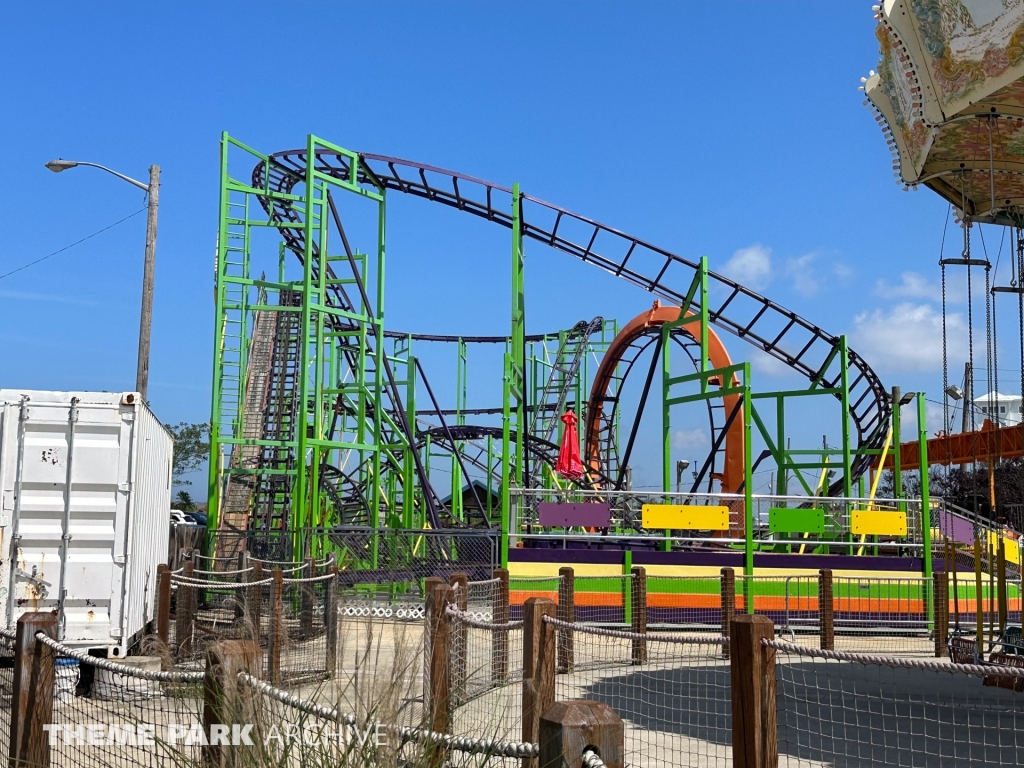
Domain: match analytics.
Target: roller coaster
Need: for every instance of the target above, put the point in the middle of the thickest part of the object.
(325, 420)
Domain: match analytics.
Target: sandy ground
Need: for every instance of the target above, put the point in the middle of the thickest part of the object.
(676, 707)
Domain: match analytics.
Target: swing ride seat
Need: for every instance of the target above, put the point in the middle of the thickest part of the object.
(1012, 683)
(961, 650)
(1012, 641)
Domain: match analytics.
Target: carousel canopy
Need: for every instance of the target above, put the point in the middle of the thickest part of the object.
(949, 95)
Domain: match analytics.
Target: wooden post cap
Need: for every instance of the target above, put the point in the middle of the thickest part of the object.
(569, 727)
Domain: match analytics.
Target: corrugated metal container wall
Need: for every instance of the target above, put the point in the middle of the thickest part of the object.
(117, 512)
(149, 513)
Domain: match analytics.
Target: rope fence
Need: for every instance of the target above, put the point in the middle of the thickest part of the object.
(842, 708)
(458, 680)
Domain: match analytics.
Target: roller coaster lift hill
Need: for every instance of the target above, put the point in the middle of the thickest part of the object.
(327, 434)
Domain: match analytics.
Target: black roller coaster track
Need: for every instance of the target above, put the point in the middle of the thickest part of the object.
(349, 495)
(539, 450)
(768, 326)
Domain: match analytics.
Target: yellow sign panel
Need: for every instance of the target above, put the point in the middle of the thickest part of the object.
(865, 522)
(1012, 548)
(686, 517)
(1012, 551)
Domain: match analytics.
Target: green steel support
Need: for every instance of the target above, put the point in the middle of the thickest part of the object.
(328, 364)
(409, 517)
(314, 215)
(666, 415)
(705, 319)
(515, 383)
(216, 459)
(897, 465)
(844, 361)
(782, 483)
(702, 317)
(506, 463)
(748, 490)
(926, 510)
(627, 587)
(460, 419)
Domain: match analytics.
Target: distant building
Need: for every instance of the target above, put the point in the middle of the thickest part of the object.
(470, 510)
(1005, 409)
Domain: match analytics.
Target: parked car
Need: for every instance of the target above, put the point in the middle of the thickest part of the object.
(196, 518)
(178, 517)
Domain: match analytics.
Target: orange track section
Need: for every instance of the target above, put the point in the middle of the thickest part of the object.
(982, 445)
(732, 475)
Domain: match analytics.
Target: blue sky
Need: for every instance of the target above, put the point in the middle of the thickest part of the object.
(732, 130)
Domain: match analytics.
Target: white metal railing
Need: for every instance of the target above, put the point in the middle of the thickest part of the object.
(626, 515)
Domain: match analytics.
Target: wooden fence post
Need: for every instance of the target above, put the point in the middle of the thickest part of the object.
(331, 621)
(228, 702)
(239, 599)
(459, 582)
(429, 585)
(307, 598)
(32, 695)
(940, 597)
(728, 596)
(539, 657)
(639, 623)
(569, 727)
(185, 610)
(499, 615)
(163, 604)
(754, 717)
(254, 601)
(826, 608)
(567, 613)
(438, 681)
(276, 640)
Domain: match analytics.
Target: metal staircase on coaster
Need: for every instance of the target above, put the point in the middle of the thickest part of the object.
(238, 495)
(262, 500)
(344, 492)
(272, 503)
(771, 328)
(552, 396)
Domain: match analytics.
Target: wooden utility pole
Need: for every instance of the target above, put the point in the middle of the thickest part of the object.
(148, 270)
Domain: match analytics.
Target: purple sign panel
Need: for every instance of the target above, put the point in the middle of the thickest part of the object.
(956, 527)
(572, 515)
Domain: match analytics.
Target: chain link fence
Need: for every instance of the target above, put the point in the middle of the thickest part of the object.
(845, 709)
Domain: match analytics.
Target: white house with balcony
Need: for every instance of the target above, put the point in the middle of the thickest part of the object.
(1002, 410)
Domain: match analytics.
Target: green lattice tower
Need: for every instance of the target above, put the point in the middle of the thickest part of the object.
(340, 417)
(832, 382)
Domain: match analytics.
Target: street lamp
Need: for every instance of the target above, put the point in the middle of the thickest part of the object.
(146, 320)
(681, 466)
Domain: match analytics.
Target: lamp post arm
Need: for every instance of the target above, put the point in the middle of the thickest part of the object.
(129, 179)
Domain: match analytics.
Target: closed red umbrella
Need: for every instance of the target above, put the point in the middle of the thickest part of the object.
(569, 465)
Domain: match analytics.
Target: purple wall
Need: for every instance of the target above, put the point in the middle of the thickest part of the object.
(568, 515)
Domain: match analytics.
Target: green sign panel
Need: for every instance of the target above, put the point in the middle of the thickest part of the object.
(784, 520)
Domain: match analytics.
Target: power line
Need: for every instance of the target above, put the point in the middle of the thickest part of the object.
(77, 242)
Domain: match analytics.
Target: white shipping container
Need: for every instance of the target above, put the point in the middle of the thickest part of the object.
(115, 514)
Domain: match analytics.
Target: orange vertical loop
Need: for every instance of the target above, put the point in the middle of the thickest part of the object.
(645, 324)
